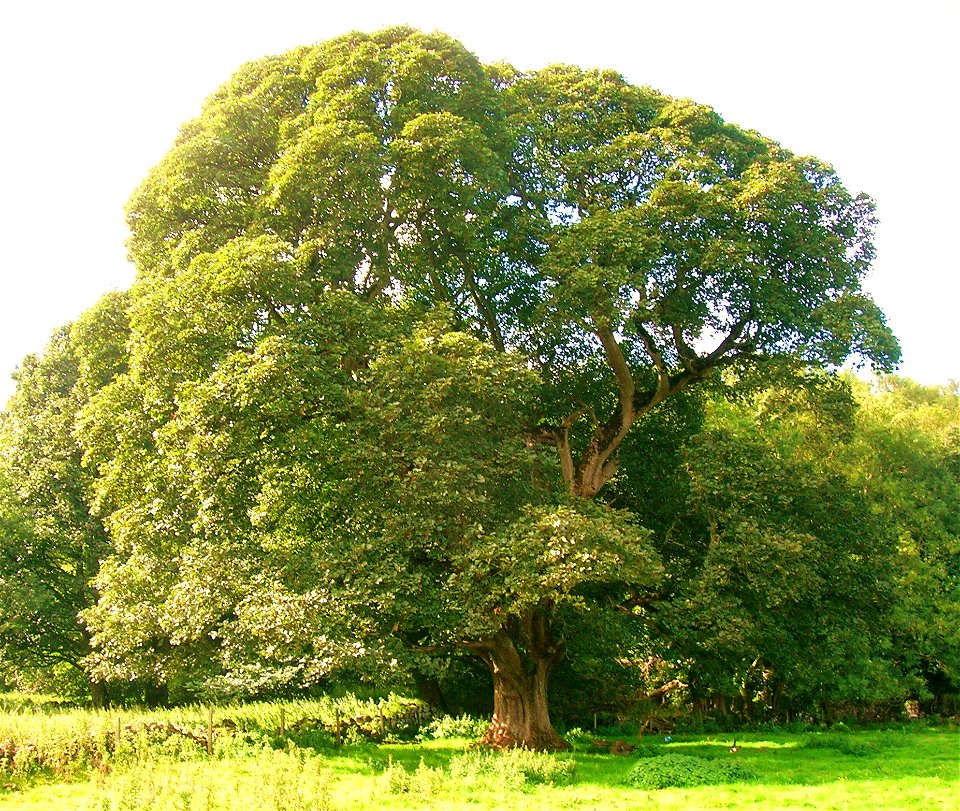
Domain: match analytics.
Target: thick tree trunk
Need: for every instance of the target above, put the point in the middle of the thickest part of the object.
(521, 716)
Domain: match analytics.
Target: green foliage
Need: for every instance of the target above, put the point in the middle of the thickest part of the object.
(844, 744)
(422, 783)
(51, 540)
(790, 578)
(450, 726)
(64, 751)
(513, 769)
(912, 767)
(645, 750)
(405, 327)
(685, 771)
(280, 781)
(905, 459)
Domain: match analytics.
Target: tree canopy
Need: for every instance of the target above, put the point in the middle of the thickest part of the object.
(397, 317)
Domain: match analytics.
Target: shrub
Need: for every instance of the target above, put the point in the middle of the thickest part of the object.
(396, 779)
(514, 768)
(69, 753)
(578, 736)
(841, 743)
(449, 726)
(320, 740)
(645, 750)
(424, 782)
(684, 771)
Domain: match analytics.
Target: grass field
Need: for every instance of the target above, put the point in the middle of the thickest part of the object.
(69, 760)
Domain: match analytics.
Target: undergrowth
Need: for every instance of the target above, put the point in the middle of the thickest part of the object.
(685, 771)
(275, 758)
(453, 726)
(512, 770)
(844, 744)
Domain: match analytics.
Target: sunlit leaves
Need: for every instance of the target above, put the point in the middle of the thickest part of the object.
(396, 310)
(552, 553)
(51, 540)
(805, 565)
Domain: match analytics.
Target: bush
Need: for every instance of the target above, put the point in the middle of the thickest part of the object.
(684, 771)
(449, 726)
(841, 743)
(514, 768)
(424, 782)
(645, 750)
(65, 754)
(577, 736)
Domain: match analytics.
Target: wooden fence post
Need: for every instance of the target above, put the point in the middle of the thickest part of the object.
(210, 730)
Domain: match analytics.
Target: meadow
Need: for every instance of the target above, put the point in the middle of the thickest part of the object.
(348, 754)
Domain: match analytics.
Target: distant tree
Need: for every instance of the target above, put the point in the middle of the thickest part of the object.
(810, 546)
(906, 459)
(51, 543)
(396, 315)
(792, 599)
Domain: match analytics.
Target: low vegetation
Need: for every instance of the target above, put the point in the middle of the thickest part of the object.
(53, 757)
(683, 771)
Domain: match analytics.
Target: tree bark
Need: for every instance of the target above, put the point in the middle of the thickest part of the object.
(98, 694)
(521, 715)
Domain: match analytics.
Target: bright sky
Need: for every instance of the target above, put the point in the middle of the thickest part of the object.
(94, 93)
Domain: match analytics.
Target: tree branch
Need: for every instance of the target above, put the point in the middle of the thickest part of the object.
(728, 343)
(598, 466)
(688, 357)
(663, 371)
(482, 305)
(626, 388)
(675, 684)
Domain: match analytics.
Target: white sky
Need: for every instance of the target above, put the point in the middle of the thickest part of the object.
(93, 94)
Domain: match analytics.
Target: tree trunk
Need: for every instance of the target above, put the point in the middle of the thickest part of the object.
(521, 716)
(155, 694)
(428, 690)
(98, 694)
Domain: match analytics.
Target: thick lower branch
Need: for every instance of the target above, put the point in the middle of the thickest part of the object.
(598, 463)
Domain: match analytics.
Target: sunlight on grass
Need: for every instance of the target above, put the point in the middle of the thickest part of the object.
(254, 767)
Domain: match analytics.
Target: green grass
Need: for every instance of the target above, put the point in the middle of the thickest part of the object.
(254, 768)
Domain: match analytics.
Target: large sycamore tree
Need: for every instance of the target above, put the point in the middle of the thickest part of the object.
(396, 314)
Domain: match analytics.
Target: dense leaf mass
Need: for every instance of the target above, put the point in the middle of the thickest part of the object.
(411, 367)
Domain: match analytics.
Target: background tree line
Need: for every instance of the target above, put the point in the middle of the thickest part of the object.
(429, 362)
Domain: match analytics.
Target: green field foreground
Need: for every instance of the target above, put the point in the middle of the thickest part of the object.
(903, 768)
